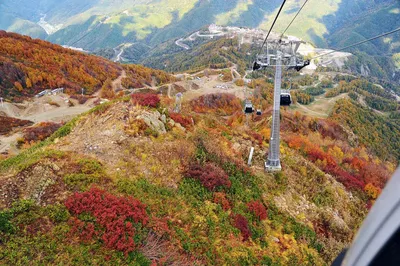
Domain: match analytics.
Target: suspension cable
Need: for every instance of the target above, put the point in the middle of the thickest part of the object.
(87, 33)
(290, 24)
(272, 26)
(350, 46)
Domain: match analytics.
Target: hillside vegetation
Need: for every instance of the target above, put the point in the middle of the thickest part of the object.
(30, 66)
(132, 182)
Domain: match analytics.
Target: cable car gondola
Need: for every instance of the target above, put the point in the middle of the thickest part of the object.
(248, 107)
(259, 112)
(286, 98)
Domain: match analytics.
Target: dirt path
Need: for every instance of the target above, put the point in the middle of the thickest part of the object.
(117, 83)
(58, 114)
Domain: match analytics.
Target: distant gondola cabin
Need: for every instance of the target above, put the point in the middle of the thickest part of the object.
(248, 108)
(286, 99)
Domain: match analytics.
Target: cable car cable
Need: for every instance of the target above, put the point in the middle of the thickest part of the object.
(350, 46)
(87, 33)
(290, 24)
(273, 24)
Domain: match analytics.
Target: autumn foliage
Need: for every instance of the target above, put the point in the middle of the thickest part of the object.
(223, 103)
(183, 120)
(146, 99)
(220, 198)
(139, 76)
(8, 123)
(210, 175)
(257, 209)
(344, 163)
(29, 66)
(241, 223)
(115, 220)
(40, 131)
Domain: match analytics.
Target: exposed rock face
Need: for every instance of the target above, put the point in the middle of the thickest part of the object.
(365, 70)
(153, 121)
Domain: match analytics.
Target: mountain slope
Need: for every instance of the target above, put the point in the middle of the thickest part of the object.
(132, 182)
(202, 204)
(30, 66)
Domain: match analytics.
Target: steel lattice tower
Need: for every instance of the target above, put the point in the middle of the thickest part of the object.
(273, 162)
(279, 54)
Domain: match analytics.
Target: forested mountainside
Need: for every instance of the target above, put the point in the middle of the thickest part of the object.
(142, 25)
(29, 66)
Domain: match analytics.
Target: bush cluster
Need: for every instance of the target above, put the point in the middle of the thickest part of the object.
(40, 131)
(114, 220)
(210, 175)
(221, 102)
(178, 118)
(220, 198)
(257, 209)
(241, 223)
(146, 99)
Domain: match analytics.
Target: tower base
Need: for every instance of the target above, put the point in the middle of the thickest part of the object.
(273, 166)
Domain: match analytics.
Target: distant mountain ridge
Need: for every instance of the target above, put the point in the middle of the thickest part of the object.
(154, 21)
(104, 24)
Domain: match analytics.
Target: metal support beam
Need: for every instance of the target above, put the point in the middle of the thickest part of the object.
(250, 156)
(273, 162)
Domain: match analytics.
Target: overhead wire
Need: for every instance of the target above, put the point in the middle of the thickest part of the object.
(290, 24)
(273, 24)
(87, 33)
(358, 43)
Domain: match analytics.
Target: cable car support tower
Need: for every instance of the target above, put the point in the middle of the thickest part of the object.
(279, 53)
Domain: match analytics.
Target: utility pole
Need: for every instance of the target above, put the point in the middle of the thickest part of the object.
(278, 53)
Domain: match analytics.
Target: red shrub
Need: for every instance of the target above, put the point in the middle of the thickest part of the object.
(258, 209)
(86, 231)
(184, 121)
(329, 165)
(241, 223)
(348, 180)
(115, 218)
(210, 175)
(40, 131)
(356, 163)
(220, 198)
(316, 153)
(257, 137)
(146, 99)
